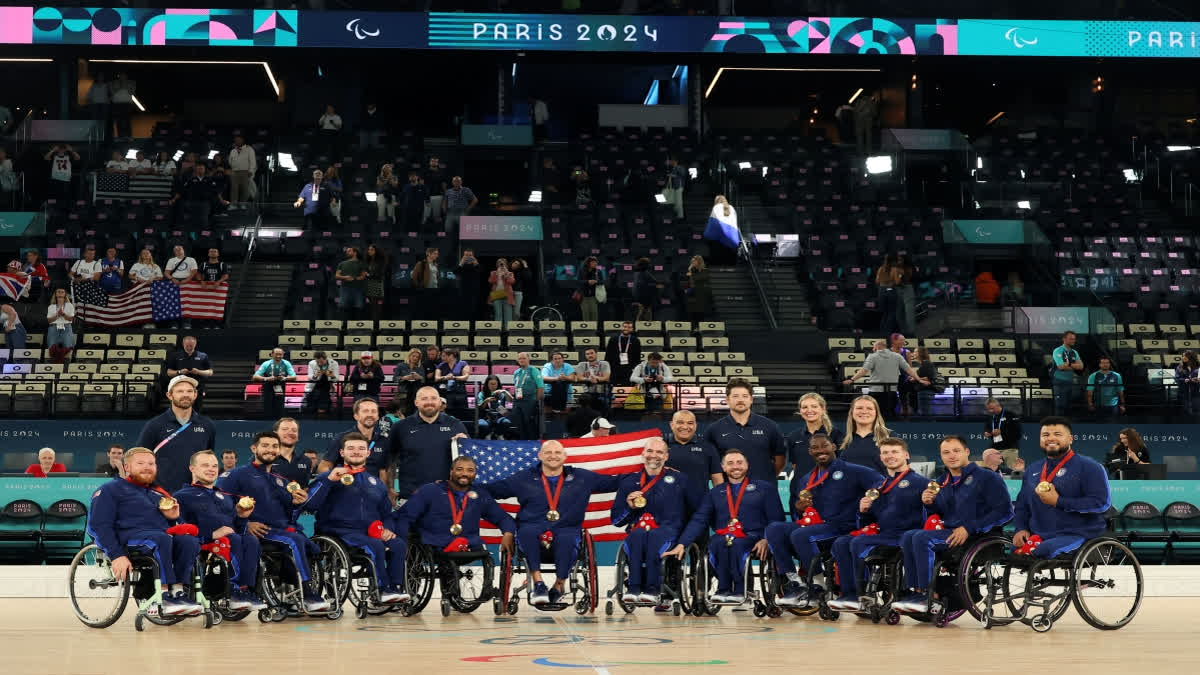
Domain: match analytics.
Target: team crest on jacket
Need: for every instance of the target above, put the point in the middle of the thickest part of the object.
(96, 494)
(371, 480)
(219, 495)
(838, 475)
(1061, 473)
(751, 487)
(279, 482)
(668, 479)
(472, 495)
(969, 480)
(571, 477)
(904, 483)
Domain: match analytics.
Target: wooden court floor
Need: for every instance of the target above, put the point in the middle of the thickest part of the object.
(42, 636)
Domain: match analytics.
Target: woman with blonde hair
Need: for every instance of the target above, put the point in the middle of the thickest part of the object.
(409, 377)
(698, 295)
(864, 431)
(813, 410)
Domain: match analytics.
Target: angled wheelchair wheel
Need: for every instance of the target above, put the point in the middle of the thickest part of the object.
(589, 583)
(706, 583)
(419, 575)
(96, 596)
(1108, 584)
(622, 578)
(473, 584)
(971, 579)
(690, 568)
(501, 601)
(333, 566)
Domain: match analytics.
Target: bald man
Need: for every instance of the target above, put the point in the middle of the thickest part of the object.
(696, 458)
(421, 444)
(554, 500)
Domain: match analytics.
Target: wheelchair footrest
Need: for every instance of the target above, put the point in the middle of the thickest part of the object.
(552, 606)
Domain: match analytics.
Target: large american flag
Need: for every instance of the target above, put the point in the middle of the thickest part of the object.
(622, 453)
(156, 301)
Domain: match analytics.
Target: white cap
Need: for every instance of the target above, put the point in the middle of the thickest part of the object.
(602, 423)
(179, 379)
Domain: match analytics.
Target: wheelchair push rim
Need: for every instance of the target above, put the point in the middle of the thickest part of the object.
(97, 598)
(1108, 584)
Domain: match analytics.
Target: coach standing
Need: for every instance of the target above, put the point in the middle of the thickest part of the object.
(420, 443)
(177, 434)
(757, 437)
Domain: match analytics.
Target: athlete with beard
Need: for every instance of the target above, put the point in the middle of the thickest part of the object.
(177, 434)
(446, 513)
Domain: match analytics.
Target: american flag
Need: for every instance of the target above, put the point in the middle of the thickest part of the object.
(13, 286)
(156, 301)
(497, 460)
(141, 186)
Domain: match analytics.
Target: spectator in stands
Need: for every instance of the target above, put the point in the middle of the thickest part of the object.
(333, 180)
(409, 376)
(558, 376)
(378, 272)
(458, 202)
(865, 429)
(1105, 391)
(906, 387)
(366, 377)
(39, 278)
(987, 289)
(451, 378)
(179, 270)
(164, 165)
(600, 428)
(652, 376)
(645, 290)
(1187, 381)
(243, 163)
(493, 403)
(111, 271)
(756, 437)
(314, 197)
(437, 183)
(590, 279)
(145, 269)
(329, 127)
(387, 187)
(551, 181)
(60, 338)
(1013, 294)
(45, 464)
(522, 279)
(370, 127)
(698, 295)
(213, 273)
(199, 193)
(1003, 429)
(114, 464)
(1066, 364)
(60, 158)
(273, 373)
(140, 165)
(413, 201)
(323, 374)
(884, 367)
(583, 188)
(595, 374)
(994, 461)
(676, 184)
(218, 173)
(121, 93)
(393, 413)
(14, 331)
(814, 411)
(116, 163)
(99, 105)
(87, 268)
(229, 460)
(887, 279)
(500, 293)
(926, 391)
(469, 278)
(352, 274)
(187, 166)
(1129, 450)
(623, 352)
(425, 278)
(866, 111)
(8, 178)
(193, 363)
(433, 359)
(539, 115)
(529, 390)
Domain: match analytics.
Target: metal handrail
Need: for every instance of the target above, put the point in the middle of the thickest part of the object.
(235, 301)
(731, 189)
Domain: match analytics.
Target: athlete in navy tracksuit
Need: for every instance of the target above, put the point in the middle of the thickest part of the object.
(653, 527)
(216, 515)
(360, 515)
(897, 509)
(554, 500)
(275, 509)
(835, 486)
(740, 511)
(125, 515)
(972, 500)
(1072, 511)
(436, 507)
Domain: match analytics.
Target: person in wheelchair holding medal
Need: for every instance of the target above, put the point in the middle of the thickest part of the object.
(554, 500)
(446, 514)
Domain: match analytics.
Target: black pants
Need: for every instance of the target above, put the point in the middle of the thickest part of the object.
(556, 395)
(525, 419)
(886, 401)
(272, 402)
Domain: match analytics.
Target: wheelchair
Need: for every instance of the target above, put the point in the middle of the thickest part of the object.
(774, 585)
(582, 584)
(699, 586)
(467, 579)
(359, 579)
(1102, 579)
(282, 589)
(99, 599)
(675, 575)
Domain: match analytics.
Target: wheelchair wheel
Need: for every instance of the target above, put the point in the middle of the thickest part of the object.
(622, 576)
(334, 570)
(972, 573)
(586, 567)
(1108, 584)
(690, 568)
(419, 575)
(501, 602)
(706, 583)
(96, 596)
(1046, 582)
(473, 584)
(771, 575)
(234, 614)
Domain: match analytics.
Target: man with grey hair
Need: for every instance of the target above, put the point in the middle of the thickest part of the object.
(1003, 429)
(994, 461)
(45, 464)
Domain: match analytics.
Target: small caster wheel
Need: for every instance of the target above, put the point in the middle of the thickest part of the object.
(581, 607)
(833, 615)
(608, 608)
(774, 611)
(513, 606)
(264, 615)
(361, 610)
(498, 606)
(334, 615)
(139, 623)
(218, 617)
(893, 618)
(1041, 623)
(698, 609)
(445, 608)
(988, 621)
(675, 609)
(760, 610)
(208, 619)
(876, 615)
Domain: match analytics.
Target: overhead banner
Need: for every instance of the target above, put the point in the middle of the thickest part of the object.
(597, 33)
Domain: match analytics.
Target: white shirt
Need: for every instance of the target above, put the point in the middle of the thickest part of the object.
(242, 159)
(60, 322)
(540, 112)
(144, 272)
(144, 165)
(330, 122)
(313, 366)
(181, 268)
(16, 321)
(60, 167)
(166, 168)
(122, 92)
(117, 164)
(87, 269)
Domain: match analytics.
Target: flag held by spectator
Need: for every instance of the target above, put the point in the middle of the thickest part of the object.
(14, 286)
(156, 301)
(723, 229)
(622, 453)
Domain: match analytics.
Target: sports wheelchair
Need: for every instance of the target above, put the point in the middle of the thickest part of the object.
(282, 589)
(582, 585)
(700, 582)
(467, 579)
(818, 599)
(356, 572)
(677, 585)
(1102, 578)
(99, 599)
(958, 586)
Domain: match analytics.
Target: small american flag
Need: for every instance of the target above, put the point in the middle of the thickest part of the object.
(497, 460)
(157, 301)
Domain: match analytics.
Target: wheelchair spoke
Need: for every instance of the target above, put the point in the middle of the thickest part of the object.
(96, 596)
(1109, 586)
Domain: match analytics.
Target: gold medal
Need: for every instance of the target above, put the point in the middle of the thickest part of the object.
(804, 494)
(1045, 486)
(552, 515)
(347, 479)
(167, 503)
(729, 540)
(934, 487)
(733, 521)
(456, 529)
(293, 487)
(872, 494)
(246, 503)
(639, 502)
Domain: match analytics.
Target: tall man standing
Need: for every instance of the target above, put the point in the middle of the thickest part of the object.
(291, 464)
(1066, 364)
(757, 437)
(193, 363)
(366, 422)
(695, 458)
(529, 390)
(420, 446)
(177, 434)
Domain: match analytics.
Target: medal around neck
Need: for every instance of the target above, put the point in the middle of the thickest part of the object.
(639, 502)
(166, 503)
(246, 503)
(872, 494)
(293, 487)
(347, 479)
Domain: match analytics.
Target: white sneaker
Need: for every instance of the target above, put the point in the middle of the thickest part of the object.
(648, 598)
(389, 597)
(718, 598)
(849, 605)
(834, 604)
(629, 598)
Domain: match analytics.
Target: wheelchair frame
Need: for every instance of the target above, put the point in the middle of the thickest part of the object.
(584, 592)
(144, 583)
(330, 568)
(670, 570)
(425, 565)
(702, 604)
